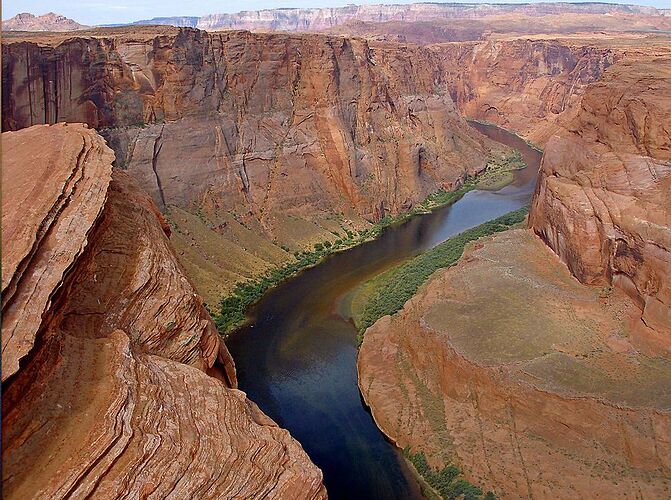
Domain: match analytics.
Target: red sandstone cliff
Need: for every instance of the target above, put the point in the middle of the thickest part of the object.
(254, 145)
(535, 384)
(521, 84)
(115, 382)
(256, 122)
(602, 203)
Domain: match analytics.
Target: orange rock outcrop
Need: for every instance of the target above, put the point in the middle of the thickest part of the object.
(529, 381)
(537, 384)
(602, 203)
(115, 382)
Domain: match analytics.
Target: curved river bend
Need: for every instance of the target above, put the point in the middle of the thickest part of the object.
(297, 358)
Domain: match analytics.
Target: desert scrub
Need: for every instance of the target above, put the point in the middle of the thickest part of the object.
(387, 292)
(446, 481)
(231, 314)
(499, 171)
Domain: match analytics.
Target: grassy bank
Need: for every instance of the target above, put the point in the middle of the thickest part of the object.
(446, 482)
(231, 314)
(387, 293)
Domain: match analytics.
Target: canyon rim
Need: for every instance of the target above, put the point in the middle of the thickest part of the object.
(344, 187)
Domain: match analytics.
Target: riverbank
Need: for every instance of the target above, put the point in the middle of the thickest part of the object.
(386, 293)
(498, 172)
(297, 355)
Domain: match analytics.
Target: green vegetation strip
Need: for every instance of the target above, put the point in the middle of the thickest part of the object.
(232, 308)
(446, 481)
(387, 292)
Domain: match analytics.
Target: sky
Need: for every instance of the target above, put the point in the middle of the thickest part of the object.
(94, 12)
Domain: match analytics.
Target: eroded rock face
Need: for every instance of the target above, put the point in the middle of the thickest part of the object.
(522, 84)
(318, 19)
(126, 388)
(260, 144)
(47, 22)
(54, 186)
(532, 383)
(603, 200)
(257, 122)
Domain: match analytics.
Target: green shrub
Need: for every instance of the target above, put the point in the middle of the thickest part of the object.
(388, 292)
(445, 481)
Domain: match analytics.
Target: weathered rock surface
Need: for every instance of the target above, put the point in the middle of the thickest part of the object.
(531, 382)
(522, 84)
(54, 186)
(47, 22)
(318, 19)
(310, 123)
(603, 200)
(127, 390)
(294, 137)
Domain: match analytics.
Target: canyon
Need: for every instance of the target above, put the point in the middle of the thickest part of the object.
(539, 363)
(106, 349)
(542, 355)
(255, 145)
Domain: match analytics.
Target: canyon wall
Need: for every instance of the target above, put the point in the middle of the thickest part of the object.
(602, 203)
(313, 123)
(530, 382)
(319, 19)
(115, 381)
(262, 144)
(534, 383)
(521, 84)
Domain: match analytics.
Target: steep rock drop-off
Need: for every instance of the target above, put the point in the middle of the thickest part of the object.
(523, 85)
(529, 381)
(603, 201)
(534, 383)
(292, 138)
(106, 390)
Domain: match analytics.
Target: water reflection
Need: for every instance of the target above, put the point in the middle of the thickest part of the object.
(297, 359)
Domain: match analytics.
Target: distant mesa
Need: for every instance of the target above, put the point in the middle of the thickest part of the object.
(327, 18)
(47, 22)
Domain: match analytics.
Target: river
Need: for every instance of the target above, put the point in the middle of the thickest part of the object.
(297, 357)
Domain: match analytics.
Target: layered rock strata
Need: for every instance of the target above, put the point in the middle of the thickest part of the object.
(47, 22)
(297, 139)
(602, 203)
(509, 366)
(319, 19)
(260, 121)
(123, 388)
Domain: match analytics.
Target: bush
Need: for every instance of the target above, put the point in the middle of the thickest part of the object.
(389, 291)
(445, 481)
